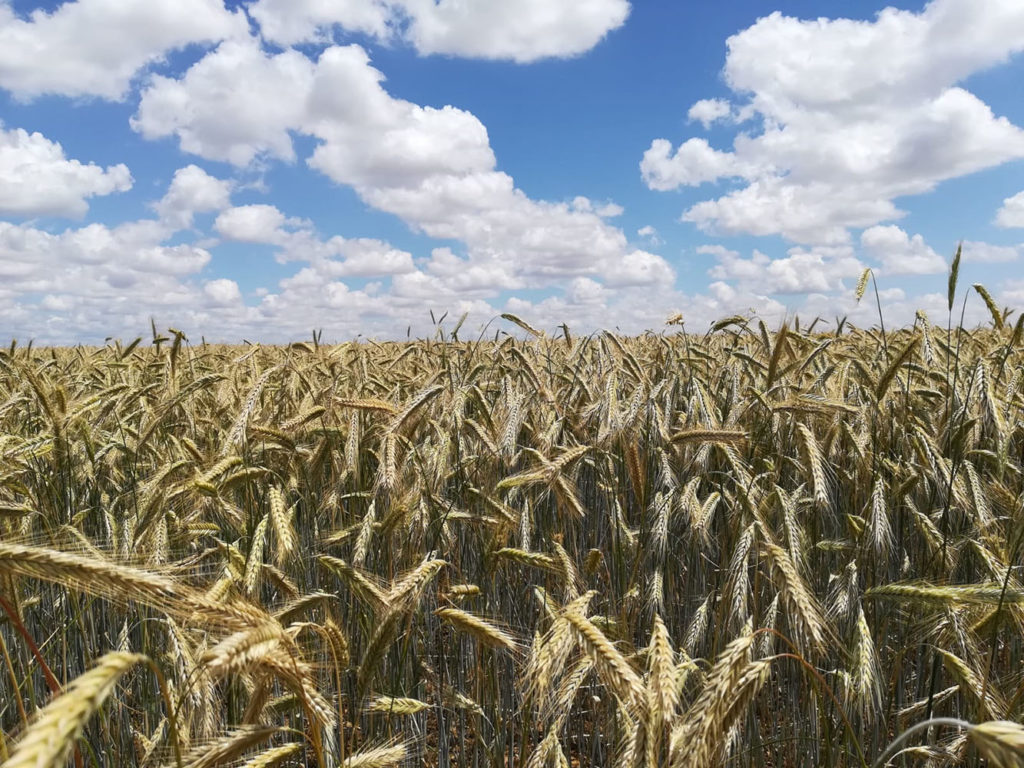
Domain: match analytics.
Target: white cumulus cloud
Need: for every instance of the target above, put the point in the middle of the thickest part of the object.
(234, 104)
(289, 22)
(221, 292)
(852, 114)
(37, 179)
(193, 191)
(258, 223)
(98, 264)
(368, 257)
(516, 30)
(638, 268)
(1011, 212)
(649, 233)
(708, 111)
(989, 253)
(432, 167)
(691, 164)
(899, 253)
(96, 47)
(821, 269)
(520, 30)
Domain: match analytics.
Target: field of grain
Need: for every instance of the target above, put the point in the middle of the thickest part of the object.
(748, 547)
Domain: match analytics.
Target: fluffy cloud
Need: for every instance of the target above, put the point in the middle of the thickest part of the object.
(853, 114)
(638, 268)
(432, 167)
(222, 292)
(650, 234)
(901, 254)
(518, 30)
(808, 213)
(367, 257)
(95, 47)
(607, 210)
(371, 139)
(588, 305)
(111, 281)
(297, 241)
(192, 191)
(289, 22)
(1013, 293)
(810, 166)
(264, 95)
(693, 163)
(707, 111)
(817, 270)
(252, 224)
(39, 180)
(451, 274)
(342, 257)
(991, 254)
(86, 283)
(1011, 212)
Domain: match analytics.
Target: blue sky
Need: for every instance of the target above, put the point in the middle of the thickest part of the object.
(255, 170)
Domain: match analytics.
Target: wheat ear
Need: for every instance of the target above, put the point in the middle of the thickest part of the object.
(273, 756)
(484, 631)
(229, 747)
(396, 705)
(732, 684)
(49, 740)
(378, 757)
(1001, 742)
(611, 665)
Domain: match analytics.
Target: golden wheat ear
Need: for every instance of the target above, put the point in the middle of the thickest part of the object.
(49, 740)
(483, 630)
(383, 756)
(612, 667)
(1001, 742)
(396, 705)
(229, 747)
(700, 739)
(273, 756)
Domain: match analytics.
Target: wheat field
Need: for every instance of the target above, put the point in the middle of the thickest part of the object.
(752, 546)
